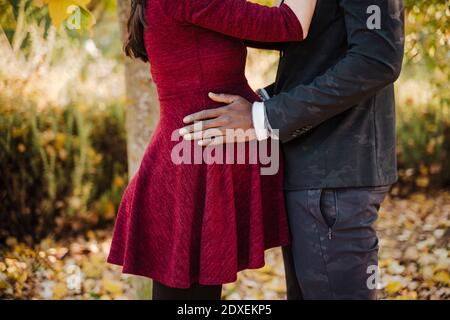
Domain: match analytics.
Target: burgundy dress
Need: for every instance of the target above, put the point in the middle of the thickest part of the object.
(181, 224)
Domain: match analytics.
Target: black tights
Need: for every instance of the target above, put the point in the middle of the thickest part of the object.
(195, 292)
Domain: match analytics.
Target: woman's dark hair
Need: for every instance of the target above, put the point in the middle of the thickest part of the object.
(134, 46)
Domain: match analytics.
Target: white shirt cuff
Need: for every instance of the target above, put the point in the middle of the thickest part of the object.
(262, 93)
(259, 121)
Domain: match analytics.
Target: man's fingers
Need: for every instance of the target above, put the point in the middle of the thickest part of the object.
(198, 126)
(203, 125)
(212, 141)
(204, 114)
(201, 135)
(217, 141)
(222, 97)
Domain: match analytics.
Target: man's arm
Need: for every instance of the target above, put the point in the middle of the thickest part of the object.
(373, 60)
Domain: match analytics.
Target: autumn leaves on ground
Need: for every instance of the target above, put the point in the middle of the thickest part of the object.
(414, 261)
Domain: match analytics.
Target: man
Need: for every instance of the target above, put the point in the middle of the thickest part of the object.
(332, 107)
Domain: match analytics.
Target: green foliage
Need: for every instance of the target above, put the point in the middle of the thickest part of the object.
(428, 42)
(427, 28)
(59, 167)
(423, 98)
(423, 145)
(62, 137)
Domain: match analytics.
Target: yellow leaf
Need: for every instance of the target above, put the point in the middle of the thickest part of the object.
(59, 9)
(423, 170)
(442, 277)
(60, 139)
(91, 270)
(22, 277)
(91, 235)
(422, 182)
(118, 181)
(3, 284)
(110, 210)
(409, 225)
(393, 287)
(113, 287)
(59, 291)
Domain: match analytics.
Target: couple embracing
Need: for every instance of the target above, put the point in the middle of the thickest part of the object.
(192, 226)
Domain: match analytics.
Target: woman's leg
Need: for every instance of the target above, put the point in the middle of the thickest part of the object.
(196, 292)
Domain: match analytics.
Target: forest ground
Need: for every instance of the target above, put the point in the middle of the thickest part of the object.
(414, 261)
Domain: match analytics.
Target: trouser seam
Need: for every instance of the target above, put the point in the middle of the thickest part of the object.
(322, 251)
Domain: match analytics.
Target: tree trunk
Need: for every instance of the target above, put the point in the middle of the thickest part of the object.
(142, 116)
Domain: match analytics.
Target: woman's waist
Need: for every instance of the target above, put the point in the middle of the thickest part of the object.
(194, 89)
(188, 100)
(174, 109)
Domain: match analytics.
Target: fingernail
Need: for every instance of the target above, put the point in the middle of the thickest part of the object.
(187, 120)
(182, 131)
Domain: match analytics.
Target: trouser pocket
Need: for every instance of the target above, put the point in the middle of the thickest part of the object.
(328, 207)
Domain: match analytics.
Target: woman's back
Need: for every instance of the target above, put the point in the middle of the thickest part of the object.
(188, 61)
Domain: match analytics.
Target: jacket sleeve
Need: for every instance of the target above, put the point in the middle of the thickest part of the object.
(238, 18)
(373, 61)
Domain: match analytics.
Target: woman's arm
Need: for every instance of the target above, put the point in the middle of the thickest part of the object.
(265, 45)
(372, 62)
(304, 10)
(246, 20)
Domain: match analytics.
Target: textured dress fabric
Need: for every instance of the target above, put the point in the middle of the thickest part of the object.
(181, 224)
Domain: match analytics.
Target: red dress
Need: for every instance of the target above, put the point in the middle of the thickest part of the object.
(181, 224)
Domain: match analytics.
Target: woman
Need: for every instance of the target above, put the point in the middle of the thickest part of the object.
(192, 227)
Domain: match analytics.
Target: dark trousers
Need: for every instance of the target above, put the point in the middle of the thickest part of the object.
(195, 292)
(334, 250)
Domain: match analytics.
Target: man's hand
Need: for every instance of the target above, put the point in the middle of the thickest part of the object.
(227, 124)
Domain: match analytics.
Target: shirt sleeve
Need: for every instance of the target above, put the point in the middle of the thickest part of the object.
(259, 123)
(238, 18)
(263, 129)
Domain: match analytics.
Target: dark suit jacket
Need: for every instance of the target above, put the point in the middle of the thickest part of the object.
(333, 97)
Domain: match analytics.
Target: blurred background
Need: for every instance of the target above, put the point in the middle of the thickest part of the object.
(75, 117)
